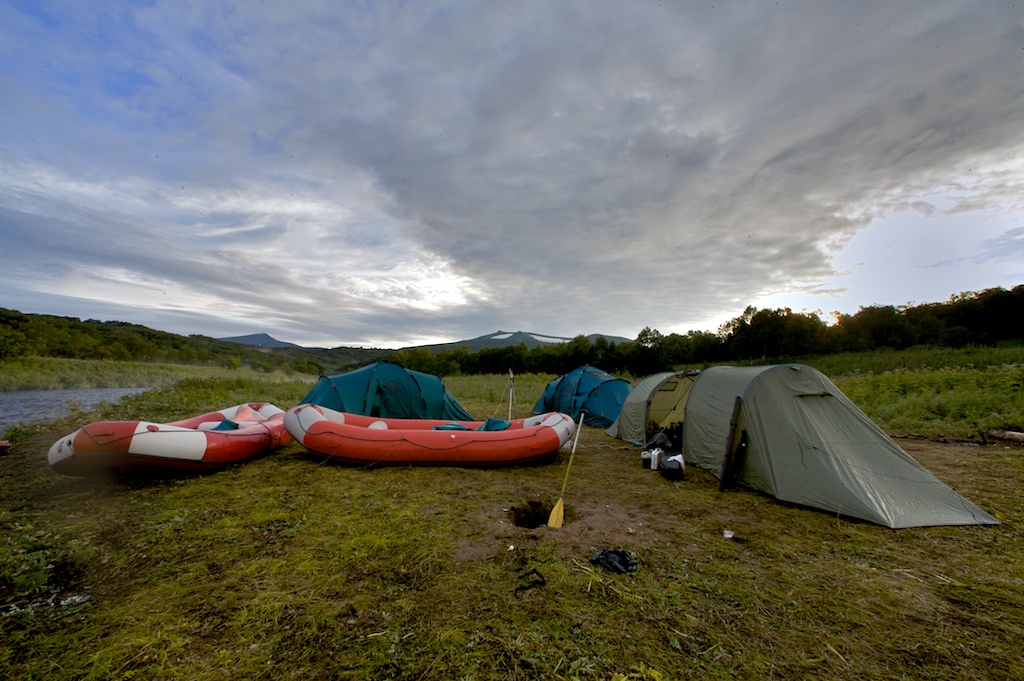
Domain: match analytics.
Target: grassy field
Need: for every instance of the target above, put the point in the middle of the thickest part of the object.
(934, 392)
(287, 568)
(50, 373)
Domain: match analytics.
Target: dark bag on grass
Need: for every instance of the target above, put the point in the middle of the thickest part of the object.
(615, 560)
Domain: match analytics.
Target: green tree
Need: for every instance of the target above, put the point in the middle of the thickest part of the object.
(875, 327)
(12, 344)
(647, 357)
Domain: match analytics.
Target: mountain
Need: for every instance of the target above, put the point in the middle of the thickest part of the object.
(260, 339)
(500, 339)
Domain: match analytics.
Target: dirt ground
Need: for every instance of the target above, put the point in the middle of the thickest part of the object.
(650, 511)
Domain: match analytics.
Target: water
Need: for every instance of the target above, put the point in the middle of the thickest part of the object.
(28, 406)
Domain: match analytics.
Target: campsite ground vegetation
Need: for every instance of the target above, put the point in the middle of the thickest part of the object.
(935, 392)
(50, 373)
(288, 567)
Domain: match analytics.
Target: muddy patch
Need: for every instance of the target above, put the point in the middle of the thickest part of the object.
(531, 514)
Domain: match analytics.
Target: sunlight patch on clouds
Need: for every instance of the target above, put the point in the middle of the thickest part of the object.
(418, 285)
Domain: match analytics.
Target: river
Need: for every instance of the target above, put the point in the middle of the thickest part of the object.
(28, 406)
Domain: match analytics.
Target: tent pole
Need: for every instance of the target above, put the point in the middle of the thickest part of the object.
(511, 394)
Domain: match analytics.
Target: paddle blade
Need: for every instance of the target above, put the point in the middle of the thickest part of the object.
(557, 515)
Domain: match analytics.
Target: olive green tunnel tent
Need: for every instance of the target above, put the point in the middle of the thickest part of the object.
(787, 431)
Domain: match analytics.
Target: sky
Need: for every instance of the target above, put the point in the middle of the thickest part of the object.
(389, 174)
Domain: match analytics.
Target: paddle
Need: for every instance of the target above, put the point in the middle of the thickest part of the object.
(558, 512)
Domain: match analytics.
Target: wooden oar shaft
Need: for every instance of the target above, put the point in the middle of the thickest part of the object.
(558, 512)
(572, 454)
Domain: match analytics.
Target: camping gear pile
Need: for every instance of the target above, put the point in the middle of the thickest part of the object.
(671, 466)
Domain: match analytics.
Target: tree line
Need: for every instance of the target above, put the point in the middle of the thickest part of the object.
(986, 318)
(989, 317)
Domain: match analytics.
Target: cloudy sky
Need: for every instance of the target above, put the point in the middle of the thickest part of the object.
(395, 173)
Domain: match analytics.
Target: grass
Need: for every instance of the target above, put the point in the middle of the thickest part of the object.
(958, 402)
(285, 568)
(50, 373)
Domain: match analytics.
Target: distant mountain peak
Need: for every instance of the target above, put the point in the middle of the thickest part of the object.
(260, 339)
(502, 338)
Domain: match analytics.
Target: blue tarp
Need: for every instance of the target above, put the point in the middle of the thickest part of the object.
(586, 388)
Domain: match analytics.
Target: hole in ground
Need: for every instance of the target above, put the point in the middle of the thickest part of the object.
(533, 514)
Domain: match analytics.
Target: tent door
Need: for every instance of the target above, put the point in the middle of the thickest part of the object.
(735, 463)
(729, 466)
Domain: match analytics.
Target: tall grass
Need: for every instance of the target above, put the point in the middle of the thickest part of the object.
(915, 359)
(948, 402)
(935, 392)
(493, 395)
(48, 373)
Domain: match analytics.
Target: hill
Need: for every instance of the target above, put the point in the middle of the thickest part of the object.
(501, 339)
(36, 335)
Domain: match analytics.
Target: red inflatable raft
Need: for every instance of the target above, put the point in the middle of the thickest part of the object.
(201, 443)
(370, 441)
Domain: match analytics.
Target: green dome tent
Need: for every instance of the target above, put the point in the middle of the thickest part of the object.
(387, 390)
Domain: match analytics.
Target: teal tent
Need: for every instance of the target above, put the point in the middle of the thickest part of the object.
(586, 388)
(387, 390)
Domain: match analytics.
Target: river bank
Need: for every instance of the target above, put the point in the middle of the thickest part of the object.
(30, 406)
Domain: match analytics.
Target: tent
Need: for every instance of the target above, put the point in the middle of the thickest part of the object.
(656, 404)
(788, 431)
(589, 388)
(387, 390)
